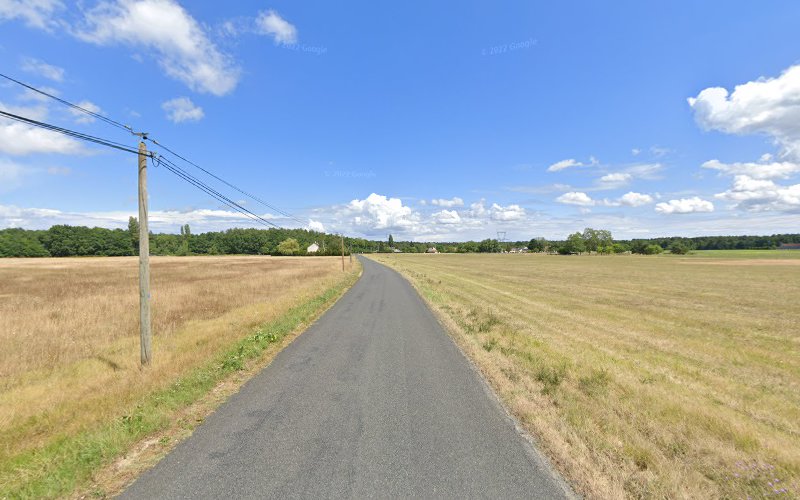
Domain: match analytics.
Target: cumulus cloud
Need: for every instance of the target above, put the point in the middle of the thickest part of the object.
(576, 198)
(569, 163)
(761, 195)
(182, 109)
(19, 139)
(477, 209)
(767, 169)
(41, 68)
(616, 179)
(315, 225)
(447, 217)
(507, 213)
(180, 43)
(272, 24)
(441, 202)
(633, 199)
(767, 106)
(378, 212)
(34, 13)
(685, 206)
(11, 175)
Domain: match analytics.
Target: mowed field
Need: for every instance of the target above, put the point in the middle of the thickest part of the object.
(71, 387)
(640, 376)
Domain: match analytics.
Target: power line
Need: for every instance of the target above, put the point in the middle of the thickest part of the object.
(127, 128)
(253, 197)
(169, 165)
(68, 132)
(71, 105)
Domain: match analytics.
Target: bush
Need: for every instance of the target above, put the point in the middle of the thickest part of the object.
(678, 248)
(652, 250)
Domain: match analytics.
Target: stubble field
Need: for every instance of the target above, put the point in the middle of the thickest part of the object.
(641, 377)
(69, 363)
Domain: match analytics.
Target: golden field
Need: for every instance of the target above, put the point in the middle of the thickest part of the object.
(640, 376)
(69, 332)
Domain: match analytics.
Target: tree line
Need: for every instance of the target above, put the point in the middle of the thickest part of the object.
(71, 241)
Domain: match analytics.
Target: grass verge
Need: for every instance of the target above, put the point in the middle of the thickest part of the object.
(71, 462)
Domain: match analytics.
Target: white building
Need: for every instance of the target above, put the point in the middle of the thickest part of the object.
(312, 248)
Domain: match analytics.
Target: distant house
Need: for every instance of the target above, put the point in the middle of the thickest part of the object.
(789, 246)
(432, 250)
(312, 248)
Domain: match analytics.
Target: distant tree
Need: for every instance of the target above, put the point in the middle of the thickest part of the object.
(620, 248)
(186, 235)
(575, 244)
(638, 246)
(133, 232)
(591, 239)
(391, 241)
(489, 246)
(289, 246)
(678, 248)
(537, 245)
(653, 249)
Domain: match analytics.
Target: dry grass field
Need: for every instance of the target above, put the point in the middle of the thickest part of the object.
(641, 377)
(69, 361)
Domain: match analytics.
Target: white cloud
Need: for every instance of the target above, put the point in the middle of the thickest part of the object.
(616, 179)
(377, 212)
(761, 195)
(181, 45)
(182, 109)
(649, 171)
(571, 162)
(41, 68)
(576, 198)
(35, 13)
(315, 225)
(272, 24)
(635, 151)
(632, 199)
(82, 117)
(764, 170)
(685, 206)
(447, 217)
(766, 106)
(477, 209)
(507, 213)
(441, 202)
(20, 139)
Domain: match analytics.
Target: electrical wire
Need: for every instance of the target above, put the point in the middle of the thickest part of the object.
(71, 105)
(172, 167)
(123, 147)
(68, 132)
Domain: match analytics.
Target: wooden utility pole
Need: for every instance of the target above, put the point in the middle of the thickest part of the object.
(146, 335)
(342, 253)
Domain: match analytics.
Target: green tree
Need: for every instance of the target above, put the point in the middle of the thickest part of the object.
(537, 245)
(391, 241)
(489, 246)
(133, 233)
(186, 236)
(653, 249)
(575, 243)
(289, 246)
(678, 248)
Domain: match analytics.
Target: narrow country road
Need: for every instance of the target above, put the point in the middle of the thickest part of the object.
(374, 400)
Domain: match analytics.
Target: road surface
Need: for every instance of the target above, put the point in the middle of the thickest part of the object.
(374, 400)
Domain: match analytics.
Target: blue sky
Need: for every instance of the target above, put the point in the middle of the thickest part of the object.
(431, 122)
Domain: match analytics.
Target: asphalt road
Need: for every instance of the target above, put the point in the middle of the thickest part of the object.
(374, 400)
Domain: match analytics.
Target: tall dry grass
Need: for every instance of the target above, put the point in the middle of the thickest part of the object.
(69, 331)
(642, 377)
